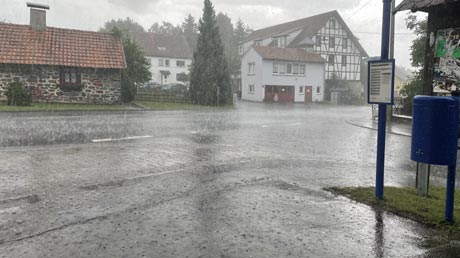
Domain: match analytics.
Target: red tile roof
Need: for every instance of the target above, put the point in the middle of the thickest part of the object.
(288, 54)
(19, 44)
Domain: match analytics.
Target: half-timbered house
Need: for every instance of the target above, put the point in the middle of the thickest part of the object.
(326, 34)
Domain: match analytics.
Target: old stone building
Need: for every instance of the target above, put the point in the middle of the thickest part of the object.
(60, 65)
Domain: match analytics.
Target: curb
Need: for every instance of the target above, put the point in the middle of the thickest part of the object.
(375, 129)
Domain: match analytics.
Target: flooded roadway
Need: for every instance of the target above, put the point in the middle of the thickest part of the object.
(245, 182)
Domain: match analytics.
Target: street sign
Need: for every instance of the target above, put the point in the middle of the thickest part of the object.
(381, 80)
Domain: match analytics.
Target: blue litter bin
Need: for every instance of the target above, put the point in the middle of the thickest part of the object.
(435, 130)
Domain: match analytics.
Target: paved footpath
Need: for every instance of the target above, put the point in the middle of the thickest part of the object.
(245, 182)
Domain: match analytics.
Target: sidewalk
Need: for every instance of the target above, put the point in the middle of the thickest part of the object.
(402, 128)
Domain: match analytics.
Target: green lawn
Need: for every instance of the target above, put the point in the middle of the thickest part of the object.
(59, 107)
(150, 105)
(406, 203)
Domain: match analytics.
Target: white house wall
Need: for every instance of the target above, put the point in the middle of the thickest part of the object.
(314, 76)
(252, 79)
(263, 75)
(173, 69)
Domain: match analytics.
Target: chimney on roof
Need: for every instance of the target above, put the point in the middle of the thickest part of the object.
(38, 16)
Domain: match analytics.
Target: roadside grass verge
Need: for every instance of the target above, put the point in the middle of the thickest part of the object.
(404, 201)
(60, 107)
(152, 105)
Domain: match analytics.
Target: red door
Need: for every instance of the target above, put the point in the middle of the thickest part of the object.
(308, 94)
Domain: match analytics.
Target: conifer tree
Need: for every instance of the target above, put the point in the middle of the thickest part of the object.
(209, 78)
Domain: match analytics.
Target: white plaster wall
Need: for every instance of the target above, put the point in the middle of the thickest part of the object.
(255, 79)
(314, 76)
(173, 68)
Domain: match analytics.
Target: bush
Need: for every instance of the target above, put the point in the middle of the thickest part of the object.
(17, 95)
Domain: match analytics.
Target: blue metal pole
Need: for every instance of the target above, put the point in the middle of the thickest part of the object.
(379, 179)
(450, 189)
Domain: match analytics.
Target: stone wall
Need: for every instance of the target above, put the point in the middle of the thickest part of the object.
(99, 86)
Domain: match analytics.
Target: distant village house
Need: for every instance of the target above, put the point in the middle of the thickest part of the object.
(325, 34)
(60, 65)
(282, 75)
(170, 56)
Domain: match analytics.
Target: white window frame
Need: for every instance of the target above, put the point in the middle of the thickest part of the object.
(282, 68)
(302, 69)
(251, 88)
(295, 69)
(301, 90)
(160, 62)
(275, 68)
(167, 63)
(251, 68)
(287, 68)
(318, 90)
(177, 63)
(318, 40)
(330, 59)
(331, 40)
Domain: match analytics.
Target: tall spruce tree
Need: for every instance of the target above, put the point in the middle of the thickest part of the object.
(209, 77)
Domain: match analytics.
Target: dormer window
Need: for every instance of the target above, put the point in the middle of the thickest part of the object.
(258, 43)
(280, 42)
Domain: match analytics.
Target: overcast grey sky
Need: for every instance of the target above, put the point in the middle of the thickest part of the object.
(362, 16)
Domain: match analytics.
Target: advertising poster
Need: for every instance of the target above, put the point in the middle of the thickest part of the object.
(447, 61)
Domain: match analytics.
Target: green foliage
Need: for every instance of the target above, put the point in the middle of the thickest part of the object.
(166, 28)
(209, 69)
(126, 25)
(404, 202)
(350, 93)
(418, 50)
(137, 67)
(17, 95)
(410, 90)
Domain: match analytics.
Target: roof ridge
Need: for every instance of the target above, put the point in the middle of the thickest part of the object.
(57, 28)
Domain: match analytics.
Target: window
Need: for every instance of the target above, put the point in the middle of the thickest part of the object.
(275, 67)
(241, 49)
(345, 43)
(302, 69)
(332, 24)
(318, 41)
(251, 68)
(282, 68)
(280, 41)
(330, 60)
(318, 90)
(167, 62)
(344, 60)
(258, 43)
(180, 63)
(301, 90)
(295, 69)
(331, 42)
(70, 76)
(160, 62)
(288, 68)
(251, 88)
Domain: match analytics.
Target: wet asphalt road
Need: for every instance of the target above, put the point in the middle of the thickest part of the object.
(245, 182)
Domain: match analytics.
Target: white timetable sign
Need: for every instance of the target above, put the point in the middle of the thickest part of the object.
(380, 84)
